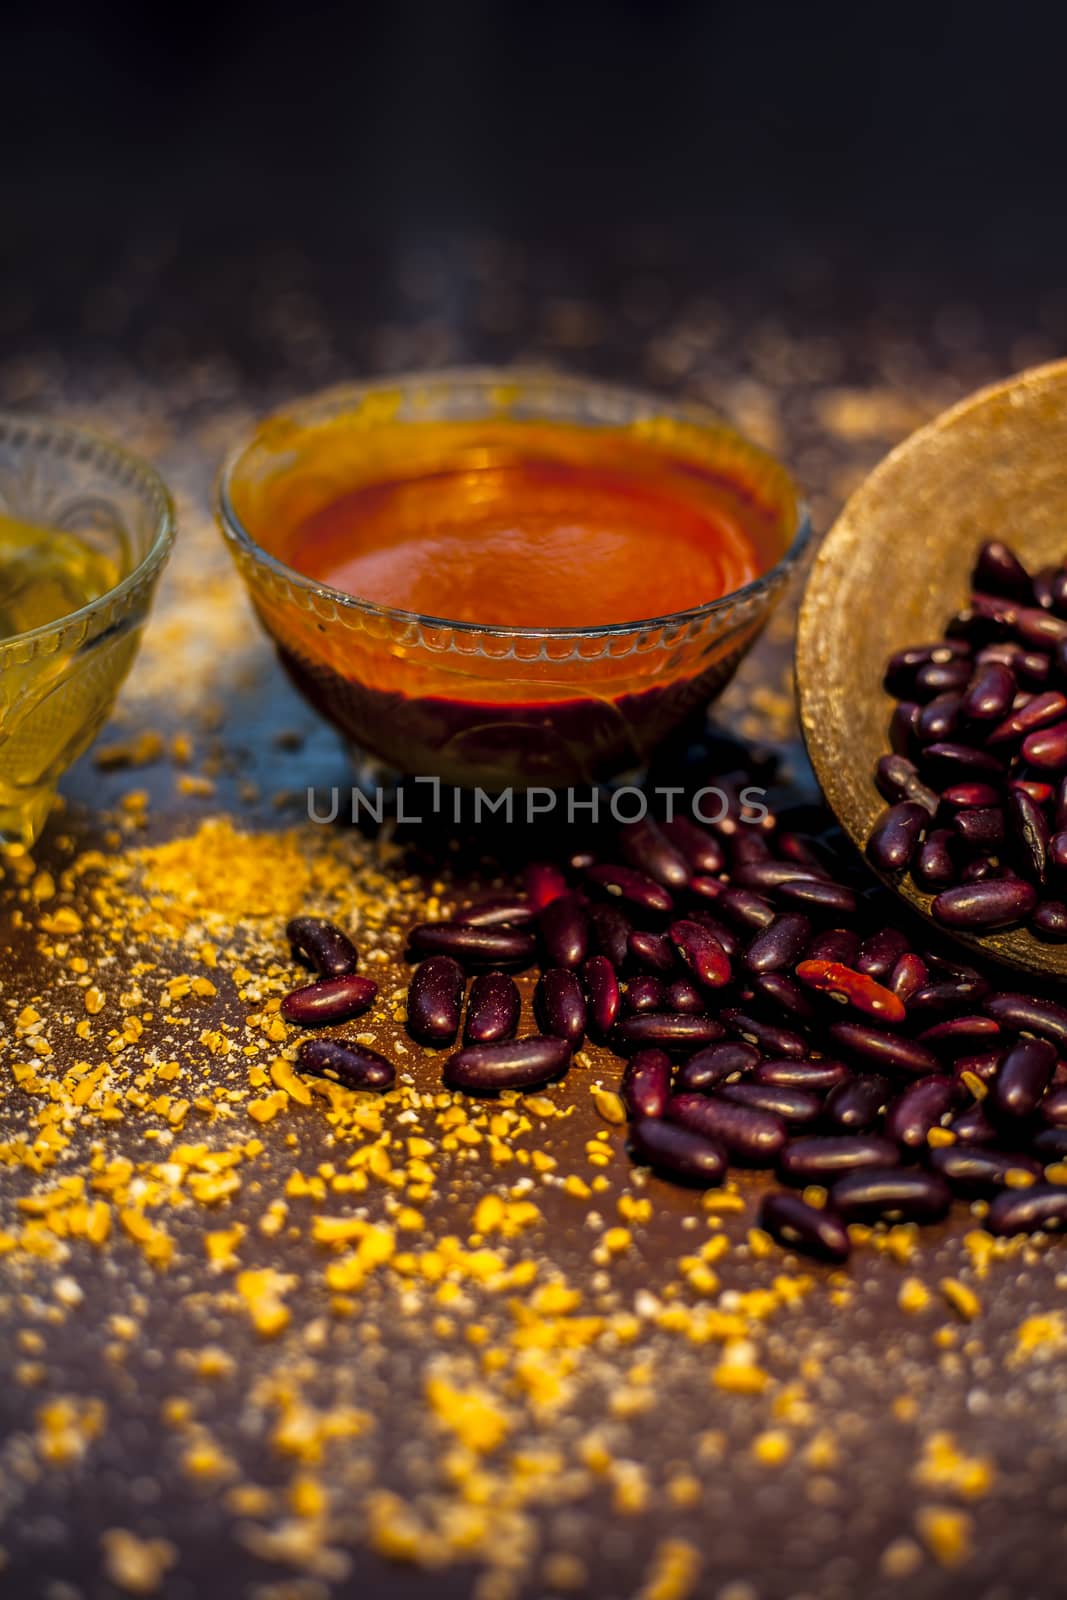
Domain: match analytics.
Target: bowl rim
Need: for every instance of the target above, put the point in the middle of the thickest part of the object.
(134, 469)
(680, 410)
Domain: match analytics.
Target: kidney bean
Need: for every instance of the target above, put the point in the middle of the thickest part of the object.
(602, 991)
(981, 828)
(989, 694)
(559, 1005)
(903, 664)
(768, 1036)
(1053, 1108)
(975, 1171)
(352, 1065)
(1057, 851)
(896, 836)
(838, 944)
(791, 1073)
(725, 936)
(908, 976)
(612, 930)
(1038, 629)
(683, 995)
(496, 911)
(1049, 921)
(748, 846)
(323, 946)
(1029, 833)
(646, 1084)
(1039, 712)
(645, 994)
(1029, 1014)
(435, 998)
(704, 888)
(1041, 1208)
(715, 1064)
(649, 850)
(983, 1065)
(329, 1000)
(877, 955)
(678, 1152)
(803, 850)
(779, 945)
(858, 1104)
(514, 1064)
(798, 1226)
(1050, 1144)
(493, 1009)
(1041, 793)
(821, 1158)
(703, 852)
(998, 570)
(942, 677)
(948, 763)
(856, 988)
(981, 907)
(745, 909)
(881, 1051)
(473, 947)
(935, 866)
(651, 951)
(895, 776)
(980, 869)
(1023, 1076)
(701, 952)
(903, 726)
(817, 895)
(787, 997)
(972, 1126)
(544, 882)
(891, 1194)
(636, 888)
(751, 1137)
(919, 1108)
(939, 719)
(951, 995)
(1047, 748)
(796, 1107)
(960, 1035)
(564, 928)
(670, 1030)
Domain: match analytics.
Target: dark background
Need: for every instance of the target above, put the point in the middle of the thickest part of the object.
(888, 140)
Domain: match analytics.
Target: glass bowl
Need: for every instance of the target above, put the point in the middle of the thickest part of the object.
(491, 706)
(58, 681)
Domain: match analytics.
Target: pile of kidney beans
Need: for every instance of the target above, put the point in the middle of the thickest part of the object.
(767, 1016)
(977, 781)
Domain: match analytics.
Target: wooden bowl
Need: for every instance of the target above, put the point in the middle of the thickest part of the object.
(897, 563)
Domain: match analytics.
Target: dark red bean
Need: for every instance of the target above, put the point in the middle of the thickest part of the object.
(893, 777)
(796, 1225)
(652, 951)
(959, 796)
(748, 846)
(975, 1171)
(935, 866)
(344, 1062)
(858, 1104)
(751, 1137)
(701, 952)
(1047, 748)
(704, 888)
(745, 909)
(729, 940)
(919, 1108)
(1042, 1208)
(790, 1073)
(1040, 793)
(908, 976)
(323, 946)
(650, 851)
(435, 998)
(612, 931)
(329, 1000)
(564, 928)
(1038, 629)
(1029, 832)
(544, 882)
(678, 1153)
(780, 945)
(983, 1065)
(645, 993)
(896, 836)
(496, 911)
(980, 869)
(960, 1035)
(784, 995)
(942, 999)
(636, 888)
(516, 1064)
(670, 1030)
(877, 955)
(602, 991)
(903, 725)
(815, 895)
(891, 1194)
(942, 677)
(981, 828)
(803, 850)
(838, 944)
(904, 664)
(947, 763)
(998, 570)
(473, 947)
(1029, 1014)
(882, 1051)
(1057, 851)
(702, 850)
(683, 995)
(989, 695)
(1040, 712)
(1050, 1145)
(646, 1084)
(857, 989)
(767, 1036)
(796, 1107)
(1053, 1108)
(493, 1009)
(1022, 1077)
(822, 1158)
(972, 1126)
(714, 1065)
(559, 1005)
(1049, 921)
(981, 907)
(939, 719)
(770, 874)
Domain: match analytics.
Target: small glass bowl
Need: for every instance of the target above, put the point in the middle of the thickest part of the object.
(58, 681)
(488, 706)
